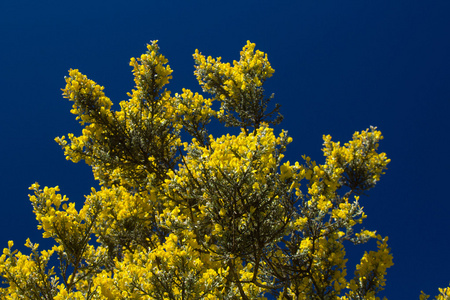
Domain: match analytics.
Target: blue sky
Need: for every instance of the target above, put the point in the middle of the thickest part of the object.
(340, 66)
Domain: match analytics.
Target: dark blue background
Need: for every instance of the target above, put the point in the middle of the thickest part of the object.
(341, 66)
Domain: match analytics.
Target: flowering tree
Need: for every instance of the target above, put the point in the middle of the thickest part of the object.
(182, 214)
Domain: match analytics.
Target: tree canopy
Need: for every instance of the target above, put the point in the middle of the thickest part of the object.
(183, 214)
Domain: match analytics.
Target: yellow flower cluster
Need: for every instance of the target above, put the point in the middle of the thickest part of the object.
(86, 94)
(162, 273)
(371, 271)
(91, 106)
(51, 219)
(358, 159)
(28, 273)
(240, 189)
(237, 87)
(119, 209)
(252, 69)
(194, 112)
(151, 68)
(235, 158)
(444, 294)
(193, 108)
(123, 146)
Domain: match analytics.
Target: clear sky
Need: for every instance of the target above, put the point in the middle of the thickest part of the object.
(340, 66)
